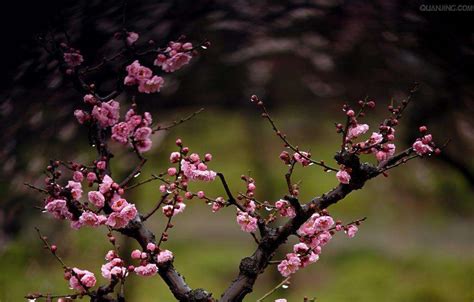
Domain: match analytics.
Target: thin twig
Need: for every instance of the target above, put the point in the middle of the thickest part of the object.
(274, 289)
(176, 123)
(163, 198)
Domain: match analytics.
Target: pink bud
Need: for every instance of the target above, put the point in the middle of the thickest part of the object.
(78, 176)
(136, 254)
(101, 165)
(188, 195)
(251, 186)
(194, 157)
(350, 113)
(172, 171)
(91, 177)
(151, 247)
(201, 194)
(208, 157)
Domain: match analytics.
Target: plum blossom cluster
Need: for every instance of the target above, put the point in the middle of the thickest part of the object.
(134, 130)
(425, 145)
(142, 76)
(115, 267)
(189, 167)
(149, 260)
(105, 114)
(314, 234)
(72, 57)
(103, 207)
(175, 56)
(80, 280)
(302, 157)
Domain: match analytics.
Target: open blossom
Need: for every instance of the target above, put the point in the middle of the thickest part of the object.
(107, 113)
(137, 73)
(81, 116)
(357, 130)
(308, 228)
(78, 176)
(351, 230)
(106, 184)
(142, 140)
(174, 62)
(421, 146)
(146, 270)
(250, 206)
(324, 223)
(120, 132)
(151, 85)
(82, 278)
(285, 209)
(121, 218)
(90, 219)
(218, 204)
(308, 259)
(132, 37)
(343, 176)
(191, 171)
(375, 138)
(170, 210)
(386, 152)
(96, 198)
(73, 59)
(58, 208)
(280, 300)
(164, 256)
(290, 265)
(247, 223)
(113, 268)
(302, 157)
(174, 157)
(89, 99)
(76, 189)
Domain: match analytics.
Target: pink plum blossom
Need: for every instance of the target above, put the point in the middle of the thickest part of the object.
(351, 230)
(78, 176)
(76, 189)
(146, 270)
(421, 148)
(302, 157)
(96, 198)
(113, 268)
(164, 256)
(121, 132)
(191, 171)
(58, 208)
(81, 116)
(343, 176)
(285, 209)
(80, 279)
(151, 85)
(107, 113)
(106, 184)
(357, 130)
(132, 37)
(247, 223)
(73, 59)
(290, 265)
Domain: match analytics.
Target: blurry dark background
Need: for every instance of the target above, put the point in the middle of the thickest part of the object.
(305, 59)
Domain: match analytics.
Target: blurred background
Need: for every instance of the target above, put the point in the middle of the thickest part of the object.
(305, 59)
